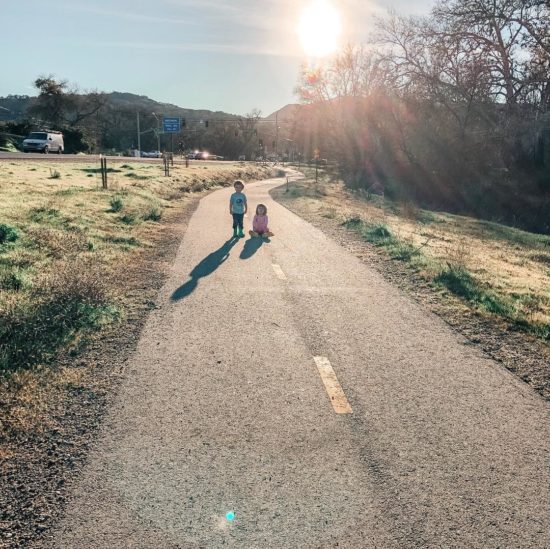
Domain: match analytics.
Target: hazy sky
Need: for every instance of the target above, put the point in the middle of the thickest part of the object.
(212, 54)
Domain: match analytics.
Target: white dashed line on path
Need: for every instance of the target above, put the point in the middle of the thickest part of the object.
(278, 271)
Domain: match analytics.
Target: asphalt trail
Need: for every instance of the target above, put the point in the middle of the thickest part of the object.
(223, 409)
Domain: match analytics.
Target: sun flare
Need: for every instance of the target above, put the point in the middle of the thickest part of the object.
(319, 29)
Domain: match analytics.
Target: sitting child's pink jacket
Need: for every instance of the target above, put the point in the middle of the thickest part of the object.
(259, 224)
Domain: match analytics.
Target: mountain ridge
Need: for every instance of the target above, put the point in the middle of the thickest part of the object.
(14, 107)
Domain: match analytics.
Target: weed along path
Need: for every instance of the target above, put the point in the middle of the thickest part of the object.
(284, 395)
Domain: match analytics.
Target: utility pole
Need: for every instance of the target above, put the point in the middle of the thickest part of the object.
(277, 134)
(139, 135)
(158, 131)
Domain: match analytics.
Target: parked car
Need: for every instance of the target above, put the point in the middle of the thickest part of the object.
(45, 142)
(201, 155)
(318, 161)
(242, 157)
(151, 154)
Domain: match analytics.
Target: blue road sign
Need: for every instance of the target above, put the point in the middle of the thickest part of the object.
(171, 125)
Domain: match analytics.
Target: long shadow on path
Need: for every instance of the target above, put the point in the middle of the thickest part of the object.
(206, 267)
(251, 246)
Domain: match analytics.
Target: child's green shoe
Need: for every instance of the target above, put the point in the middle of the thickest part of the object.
(235, 233)
(241, 233)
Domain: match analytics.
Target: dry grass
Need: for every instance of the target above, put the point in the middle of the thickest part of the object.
(512, 265)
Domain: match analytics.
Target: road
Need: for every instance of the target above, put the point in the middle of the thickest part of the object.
(92, 158)
(225, 407)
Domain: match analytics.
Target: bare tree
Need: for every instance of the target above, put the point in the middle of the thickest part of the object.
(444, 108)
(509, 32)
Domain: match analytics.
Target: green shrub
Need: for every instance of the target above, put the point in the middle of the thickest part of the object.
(43, 214)
(461, 283)
(427, 218)
(133, 175)
(8, 233)
(541, 330)
(14, 279)
(403, 251)
(354, 223)
(59, 311)
(127, 241)
(154, 213)
(116, 203)
(98, 170)
(378, 234)
(129, 218)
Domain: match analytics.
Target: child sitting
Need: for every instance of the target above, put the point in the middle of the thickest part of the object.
(260, 223)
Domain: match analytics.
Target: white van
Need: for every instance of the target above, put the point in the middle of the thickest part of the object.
(44, 142)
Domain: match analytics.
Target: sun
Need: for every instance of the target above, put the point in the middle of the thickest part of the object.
(319, 29)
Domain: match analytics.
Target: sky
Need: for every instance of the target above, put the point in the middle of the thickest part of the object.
(232, 56)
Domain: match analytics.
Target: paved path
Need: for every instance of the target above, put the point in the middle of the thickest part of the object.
(224, 409)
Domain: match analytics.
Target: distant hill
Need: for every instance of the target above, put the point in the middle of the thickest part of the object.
(114, 127)
(14, 107)
(130, 101)
(288, 112)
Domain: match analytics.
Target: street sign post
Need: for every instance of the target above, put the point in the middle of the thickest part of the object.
(171, 124)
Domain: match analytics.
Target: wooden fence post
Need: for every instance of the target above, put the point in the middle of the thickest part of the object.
(103, 171)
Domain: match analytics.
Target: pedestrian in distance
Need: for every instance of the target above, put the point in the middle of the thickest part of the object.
(260, 223)
(238, 206)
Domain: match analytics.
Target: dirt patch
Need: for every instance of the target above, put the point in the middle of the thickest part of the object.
(522, 354)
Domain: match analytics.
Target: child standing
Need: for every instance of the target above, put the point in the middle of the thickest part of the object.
(260, 222)
(238, 206)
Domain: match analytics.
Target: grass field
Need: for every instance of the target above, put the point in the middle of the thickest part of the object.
(499, 270)
(69, 252)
